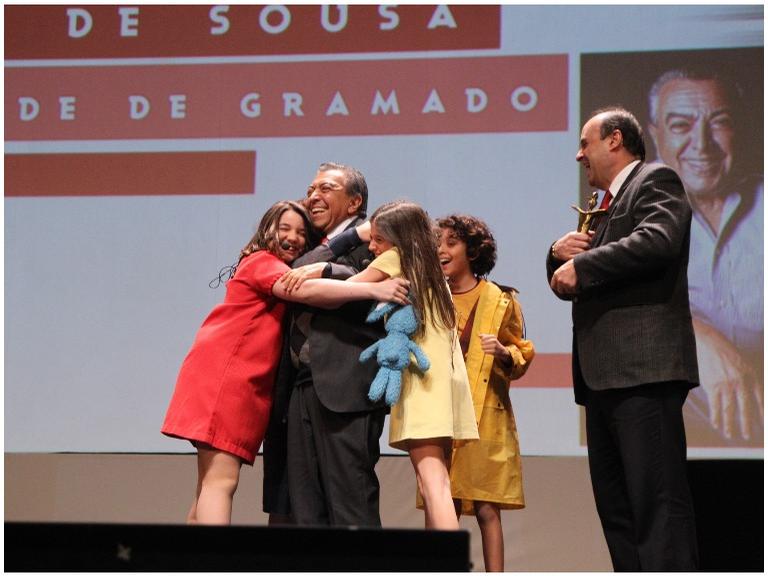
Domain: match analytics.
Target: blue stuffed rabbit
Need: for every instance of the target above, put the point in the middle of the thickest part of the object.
(393, 352)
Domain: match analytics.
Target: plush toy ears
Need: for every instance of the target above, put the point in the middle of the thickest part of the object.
(378, 312)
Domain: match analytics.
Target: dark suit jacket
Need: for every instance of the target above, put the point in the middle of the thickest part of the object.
(631, 317)
(337, 337)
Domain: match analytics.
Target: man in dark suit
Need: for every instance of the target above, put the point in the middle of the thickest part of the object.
(333, 429)
(634, 353)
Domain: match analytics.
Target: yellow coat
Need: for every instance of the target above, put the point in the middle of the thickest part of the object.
(490, 470)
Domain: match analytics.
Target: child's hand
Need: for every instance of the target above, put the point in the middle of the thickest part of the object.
(392, 290)
(293, 279)
(491, 345)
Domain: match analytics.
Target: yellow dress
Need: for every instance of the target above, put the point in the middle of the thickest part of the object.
(438, 402)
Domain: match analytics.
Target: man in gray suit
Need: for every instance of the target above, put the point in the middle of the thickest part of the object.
(634, 353)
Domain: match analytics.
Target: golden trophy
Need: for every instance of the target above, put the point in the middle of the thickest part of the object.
(587, 216)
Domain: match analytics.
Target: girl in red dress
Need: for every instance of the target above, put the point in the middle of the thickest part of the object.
(223, 393)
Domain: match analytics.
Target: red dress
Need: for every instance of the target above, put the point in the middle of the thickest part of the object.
(224, 389)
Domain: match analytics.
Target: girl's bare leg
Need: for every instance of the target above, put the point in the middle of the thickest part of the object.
(218, 474)
(489, 519)
(431, 465)
(192, 514)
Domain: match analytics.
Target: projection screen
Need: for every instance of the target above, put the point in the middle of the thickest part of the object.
(144, 142)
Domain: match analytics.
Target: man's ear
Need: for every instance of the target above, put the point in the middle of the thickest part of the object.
(354, 204)
(617, 139)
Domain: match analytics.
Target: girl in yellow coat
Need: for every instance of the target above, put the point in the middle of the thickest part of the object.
(486, 476)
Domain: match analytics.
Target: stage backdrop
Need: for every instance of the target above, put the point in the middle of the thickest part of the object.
(143, 143)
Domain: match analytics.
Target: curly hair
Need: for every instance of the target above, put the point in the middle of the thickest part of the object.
(481, 245)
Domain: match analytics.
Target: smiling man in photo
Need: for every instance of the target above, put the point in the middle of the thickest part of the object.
(696, 128)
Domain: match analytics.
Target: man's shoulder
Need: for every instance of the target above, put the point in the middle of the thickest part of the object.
(655, 169)
(358, 249)
(655, 173)
(359, 254)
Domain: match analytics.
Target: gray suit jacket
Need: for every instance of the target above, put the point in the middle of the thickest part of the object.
(631, 317)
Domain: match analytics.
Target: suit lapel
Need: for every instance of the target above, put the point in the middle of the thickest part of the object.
(601, 227)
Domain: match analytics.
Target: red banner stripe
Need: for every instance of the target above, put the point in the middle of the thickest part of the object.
(547, 371)
(130, 174)
(147, 31)
(412, 96)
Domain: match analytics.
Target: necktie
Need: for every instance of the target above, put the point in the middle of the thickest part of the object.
(606, 200)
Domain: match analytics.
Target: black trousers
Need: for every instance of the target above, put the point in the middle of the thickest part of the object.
(331, 462)
(637, 461)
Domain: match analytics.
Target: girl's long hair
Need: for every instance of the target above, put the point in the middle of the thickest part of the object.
(266, 237)
(409, 229)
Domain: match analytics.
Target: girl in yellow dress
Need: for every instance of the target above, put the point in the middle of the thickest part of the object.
(486, 476)
(435, 407)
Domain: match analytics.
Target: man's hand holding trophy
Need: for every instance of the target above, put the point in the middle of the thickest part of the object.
(587, 216)
(565, 280)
